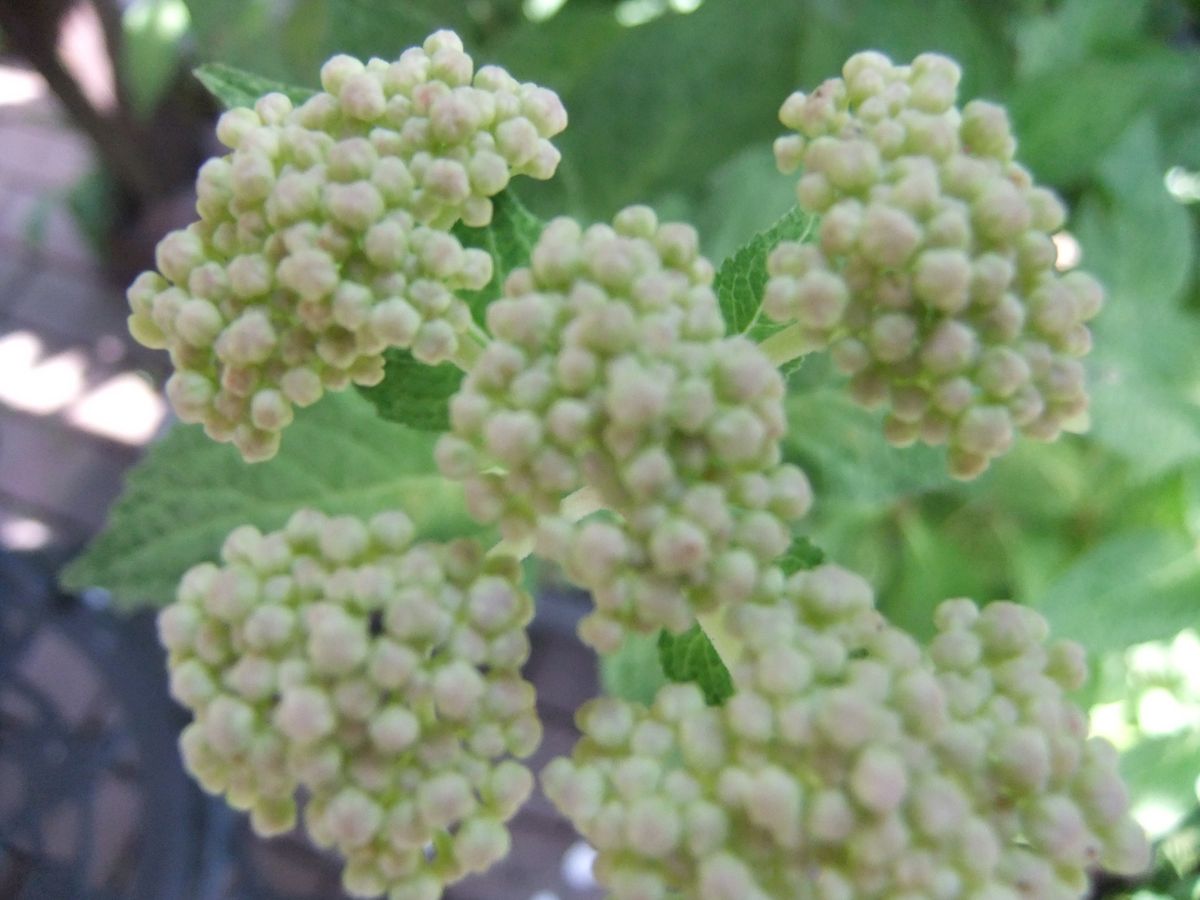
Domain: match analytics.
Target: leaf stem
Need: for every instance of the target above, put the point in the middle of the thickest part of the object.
(787, 344)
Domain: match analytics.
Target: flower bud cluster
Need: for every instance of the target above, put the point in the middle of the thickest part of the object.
(852, 764)
(933, 278)
(610, 368)
(324, 235)
(379, 676)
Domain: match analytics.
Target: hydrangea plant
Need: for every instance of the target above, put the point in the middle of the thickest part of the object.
(601, 411)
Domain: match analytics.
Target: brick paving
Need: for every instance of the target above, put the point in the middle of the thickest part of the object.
(76, 409)
(61, 338)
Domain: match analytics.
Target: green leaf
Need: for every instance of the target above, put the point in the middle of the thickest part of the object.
(633, 673)
(189, 492)
(668, 101)
(1068, 118)
(841, 447)
(1135, 235)
(509, 239)
(385, 28)
(1150, 423)
(1130, 588)
(260, 36)
(802, 554)
(237, 87)
(1142, 244)
(691, 657)
(93, 201)
(972, 33)
(414, 394)
(742, 278)
(560, 51)
(1077, 29)
(744, 195)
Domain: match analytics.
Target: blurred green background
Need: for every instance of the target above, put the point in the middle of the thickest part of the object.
(674, 104)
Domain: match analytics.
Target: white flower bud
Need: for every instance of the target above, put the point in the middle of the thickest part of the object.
(879, 780)
(480, 843)
(394, 729)
(888, 237)
(228, 726)
(235, 124)
(357, 205)
(304, 714)
(177, 254)
(457, 689)
(653, 828)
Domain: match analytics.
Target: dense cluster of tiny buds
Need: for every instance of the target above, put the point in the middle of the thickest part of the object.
(324, 235)
(853, 764)
(337, 667)
(379, 676)
(610, 368)
(933, 277)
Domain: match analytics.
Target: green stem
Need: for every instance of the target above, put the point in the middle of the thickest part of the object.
(788, 344)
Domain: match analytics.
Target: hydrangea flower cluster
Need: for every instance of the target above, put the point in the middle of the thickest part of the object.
(324, 235)
(379, 676)
(933, 278)
(609, 367)
(850, 764)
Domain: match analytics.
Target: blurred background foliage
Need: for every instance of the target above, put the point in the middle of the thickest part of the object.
(674, 104)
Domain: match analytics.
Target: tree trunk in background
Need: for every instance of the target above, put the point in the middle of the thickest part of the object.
(33, 31)
(151, 162)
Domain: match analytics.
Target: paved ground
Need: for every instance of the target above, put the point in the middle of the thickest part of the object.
(76, 410)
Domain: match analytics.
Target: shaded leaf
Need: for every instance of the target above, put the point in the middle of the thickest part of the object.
(671, 99)
(387, 28)
(509, 239)
(744, 195)
(1130, 588)
(633, 673)
(1069, 117)
(413, 393)
(560, 51)
(260, 35)
(841, 447)
(237, 87)
(1142, 244)
(1076, 29)
(189, 492)
(972, 33)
